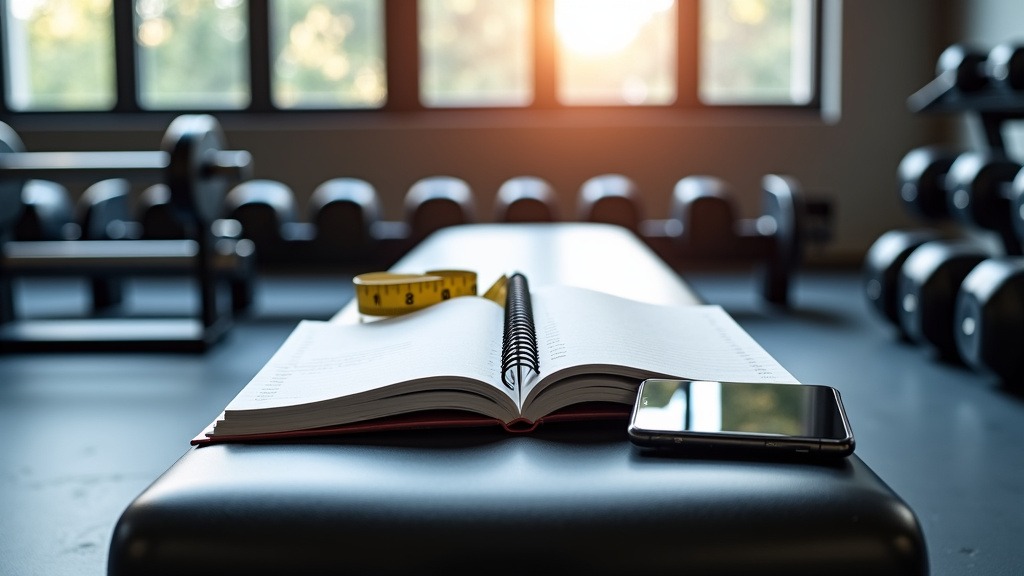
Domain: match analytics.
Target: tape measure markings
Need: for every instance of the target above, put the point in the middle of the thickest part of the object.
(391, 293)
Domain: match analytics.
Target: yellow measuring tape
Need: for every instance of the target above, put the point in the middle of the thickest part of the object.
(392, 293)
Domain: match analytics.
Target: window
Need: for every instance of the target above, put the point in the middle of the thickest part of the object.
(375, 55)
(192, 54)
(327, 53)
(757, 51)
(475, 53)
(59, 55)
(616, 52)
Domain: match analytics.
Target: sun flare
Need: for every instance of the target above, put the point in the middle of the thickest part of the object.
(602, 27)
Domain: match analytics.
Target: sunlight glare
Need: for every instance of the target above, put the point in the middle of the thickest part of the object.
(602, 27)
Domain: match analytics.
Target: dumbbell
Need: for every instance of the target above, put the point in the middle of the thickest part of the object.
(435, 202)
(611, 199)
(47, 213)
(702, 226)
(702, 210)
(342, 222)
(970, 69)
(922, 181)
(267, 212)
(965, 66)
(928, 285)
(525, 199)
(191, 162)
(102, 213)
(156, 216)
(979, 188)
(1017, 204)
(1005, 65)
(989, 319)
(345, 213)
(881, 270)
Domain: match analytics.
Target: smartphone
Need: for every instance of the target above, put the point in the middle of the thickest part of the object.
(726, 417)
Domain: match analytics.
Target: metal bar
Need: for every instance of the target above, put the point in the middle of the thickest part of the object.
(84, 165)
(117, 258)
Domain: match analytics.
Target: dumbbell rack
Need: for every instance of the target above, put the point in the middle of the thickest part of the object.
(197, 173)
(961, 296)
(993, 105)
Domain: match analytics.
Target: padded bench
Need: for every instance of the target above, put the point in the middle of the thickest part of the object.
(574, 497)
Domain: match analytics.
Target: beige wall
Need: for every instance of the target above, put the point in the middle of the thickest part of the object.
(888, 52)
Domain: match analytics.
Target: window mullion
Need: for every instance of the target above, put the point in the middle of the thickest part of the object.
(401, 37)
(125, 58)
(688, 53)
(544, 55)
(259, 56)
(817, 52)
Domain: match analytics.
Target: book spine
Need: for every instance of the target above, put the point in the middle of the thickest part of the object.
(519, 355)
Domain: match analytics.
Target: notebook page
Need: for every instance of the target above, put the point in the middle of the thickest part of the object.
(578, 327)
(324, 360)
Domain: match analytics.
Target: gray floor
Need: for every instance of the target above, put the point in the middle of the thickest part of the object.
(88, 432)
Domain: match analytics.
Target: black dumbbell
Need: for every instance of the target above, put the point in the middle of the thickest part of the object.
(435, 202)
(922, 181)
(979, 192)
(268, 214)
(1017, 205)
(989, 320)
(48, 212)
(191, 162)
(610, 199)
(930, 279)
(156, 217)
(703, 205)
(345, 212)
(965, 66)
(525, 199)
(1005, 65)
(881, 270)
(103, 212)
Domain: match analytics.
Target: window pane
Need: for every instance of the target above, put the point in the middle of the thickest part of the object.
(328, 53)
(192, 53)
(476, 52)
(60, 55)
(616, 51)
(756, 51)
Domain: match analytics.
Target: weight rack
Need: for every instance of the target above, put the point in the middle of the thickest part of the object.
(197, 172)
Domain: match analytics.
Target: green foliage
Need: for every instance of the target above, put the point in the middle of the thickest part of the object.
(192, 53)
(66, 58)
(328, 53)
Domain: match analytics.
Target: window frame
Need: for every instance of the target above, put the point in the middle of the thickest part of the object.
(402, 62)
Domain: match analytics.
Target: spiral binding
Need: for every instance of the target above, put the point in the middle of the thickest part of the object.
(519, 355)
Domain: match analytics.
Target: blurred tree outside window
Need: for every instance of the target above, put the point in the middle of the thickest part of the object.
(616, 52)
(192, 54)
(59, 55)
(476, 53)
(756, 52)
(328, 53)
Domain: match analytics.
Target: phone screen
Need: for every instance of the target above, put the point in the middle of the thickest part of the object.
(709, 414)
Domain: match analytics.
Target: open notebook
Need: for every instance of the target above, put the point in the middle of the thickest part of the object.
(559, 352)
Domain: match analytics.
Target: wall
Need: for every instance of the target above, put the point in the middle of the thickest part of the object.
(888, 52)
